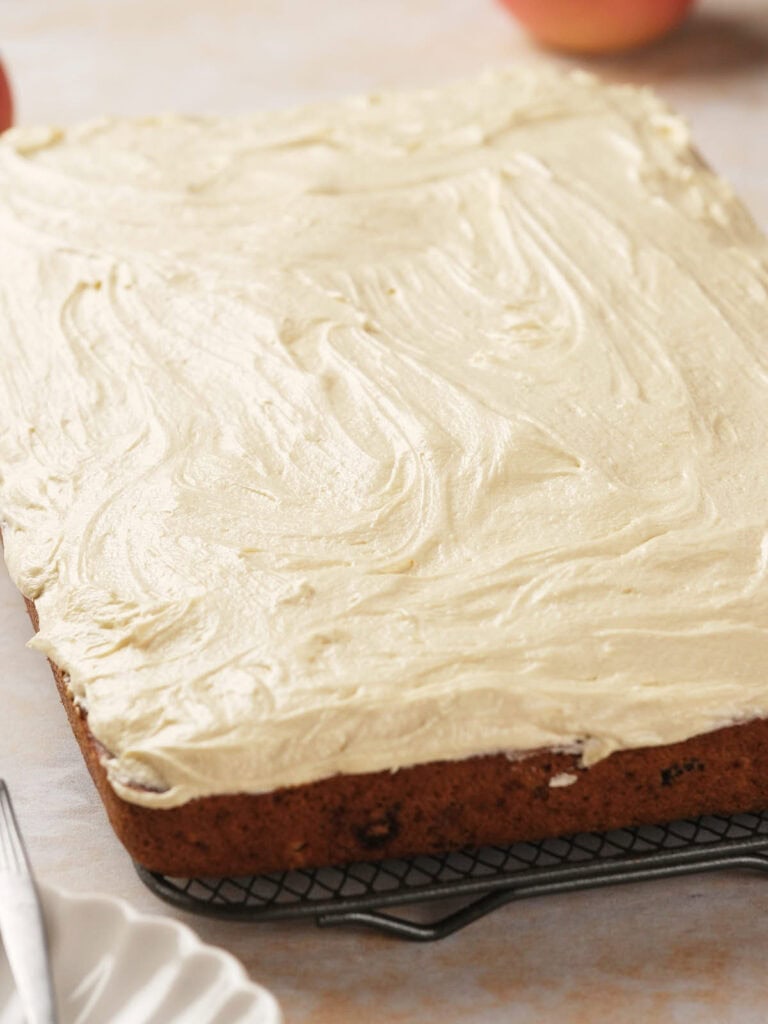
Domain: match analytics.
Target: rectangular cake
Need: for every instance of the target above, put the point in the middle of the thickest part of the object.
(389, 476)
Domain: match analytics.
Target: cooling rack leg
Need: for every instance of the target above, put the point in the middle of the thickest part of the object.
(404, 929)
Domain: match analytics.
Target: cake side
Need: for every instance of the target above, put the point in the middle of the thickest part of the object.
(433, 808)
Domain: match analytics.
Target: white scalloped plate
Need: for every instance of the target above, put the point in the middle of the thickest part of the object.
(112, 964)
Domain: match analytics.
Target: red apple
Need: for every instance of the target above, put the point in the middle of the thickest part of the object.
(6, 102)
(597, 26)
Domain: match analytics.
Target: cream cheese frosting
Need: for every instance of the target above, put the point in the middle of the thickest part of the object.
(406, 428)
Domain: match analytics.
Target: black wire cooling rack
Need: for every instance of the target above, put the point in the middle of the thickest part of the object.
(480, 879)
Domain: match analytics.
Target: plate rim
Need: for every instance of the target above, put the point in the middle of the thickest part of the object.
(51, 893)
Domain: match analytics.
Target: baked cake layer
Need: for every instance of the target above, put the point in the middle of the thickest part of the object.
(435, 807)
(405, 430)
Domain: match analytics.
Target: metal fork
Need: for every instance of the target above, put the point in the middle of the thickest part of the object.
(21, 921)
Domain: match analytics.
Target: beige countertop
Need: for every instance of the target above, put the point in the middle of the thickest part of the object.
(675, 951)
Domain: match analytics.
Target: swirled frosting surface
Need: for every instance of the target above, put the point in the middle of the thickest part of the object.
(408, 428)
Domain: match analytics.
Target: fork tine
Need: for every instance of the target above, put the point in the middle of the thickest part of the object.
(12, 855)
(22, 924)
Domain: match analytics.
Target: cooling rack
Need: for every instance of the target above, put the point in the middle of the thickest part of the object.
(458, 888)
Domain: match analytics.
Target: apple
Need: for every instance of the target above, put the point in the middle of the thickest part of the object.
(6, 102)
(597, 26)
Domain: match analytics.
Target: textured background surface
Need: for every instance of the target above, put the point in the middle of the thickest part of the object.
(678, 951)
